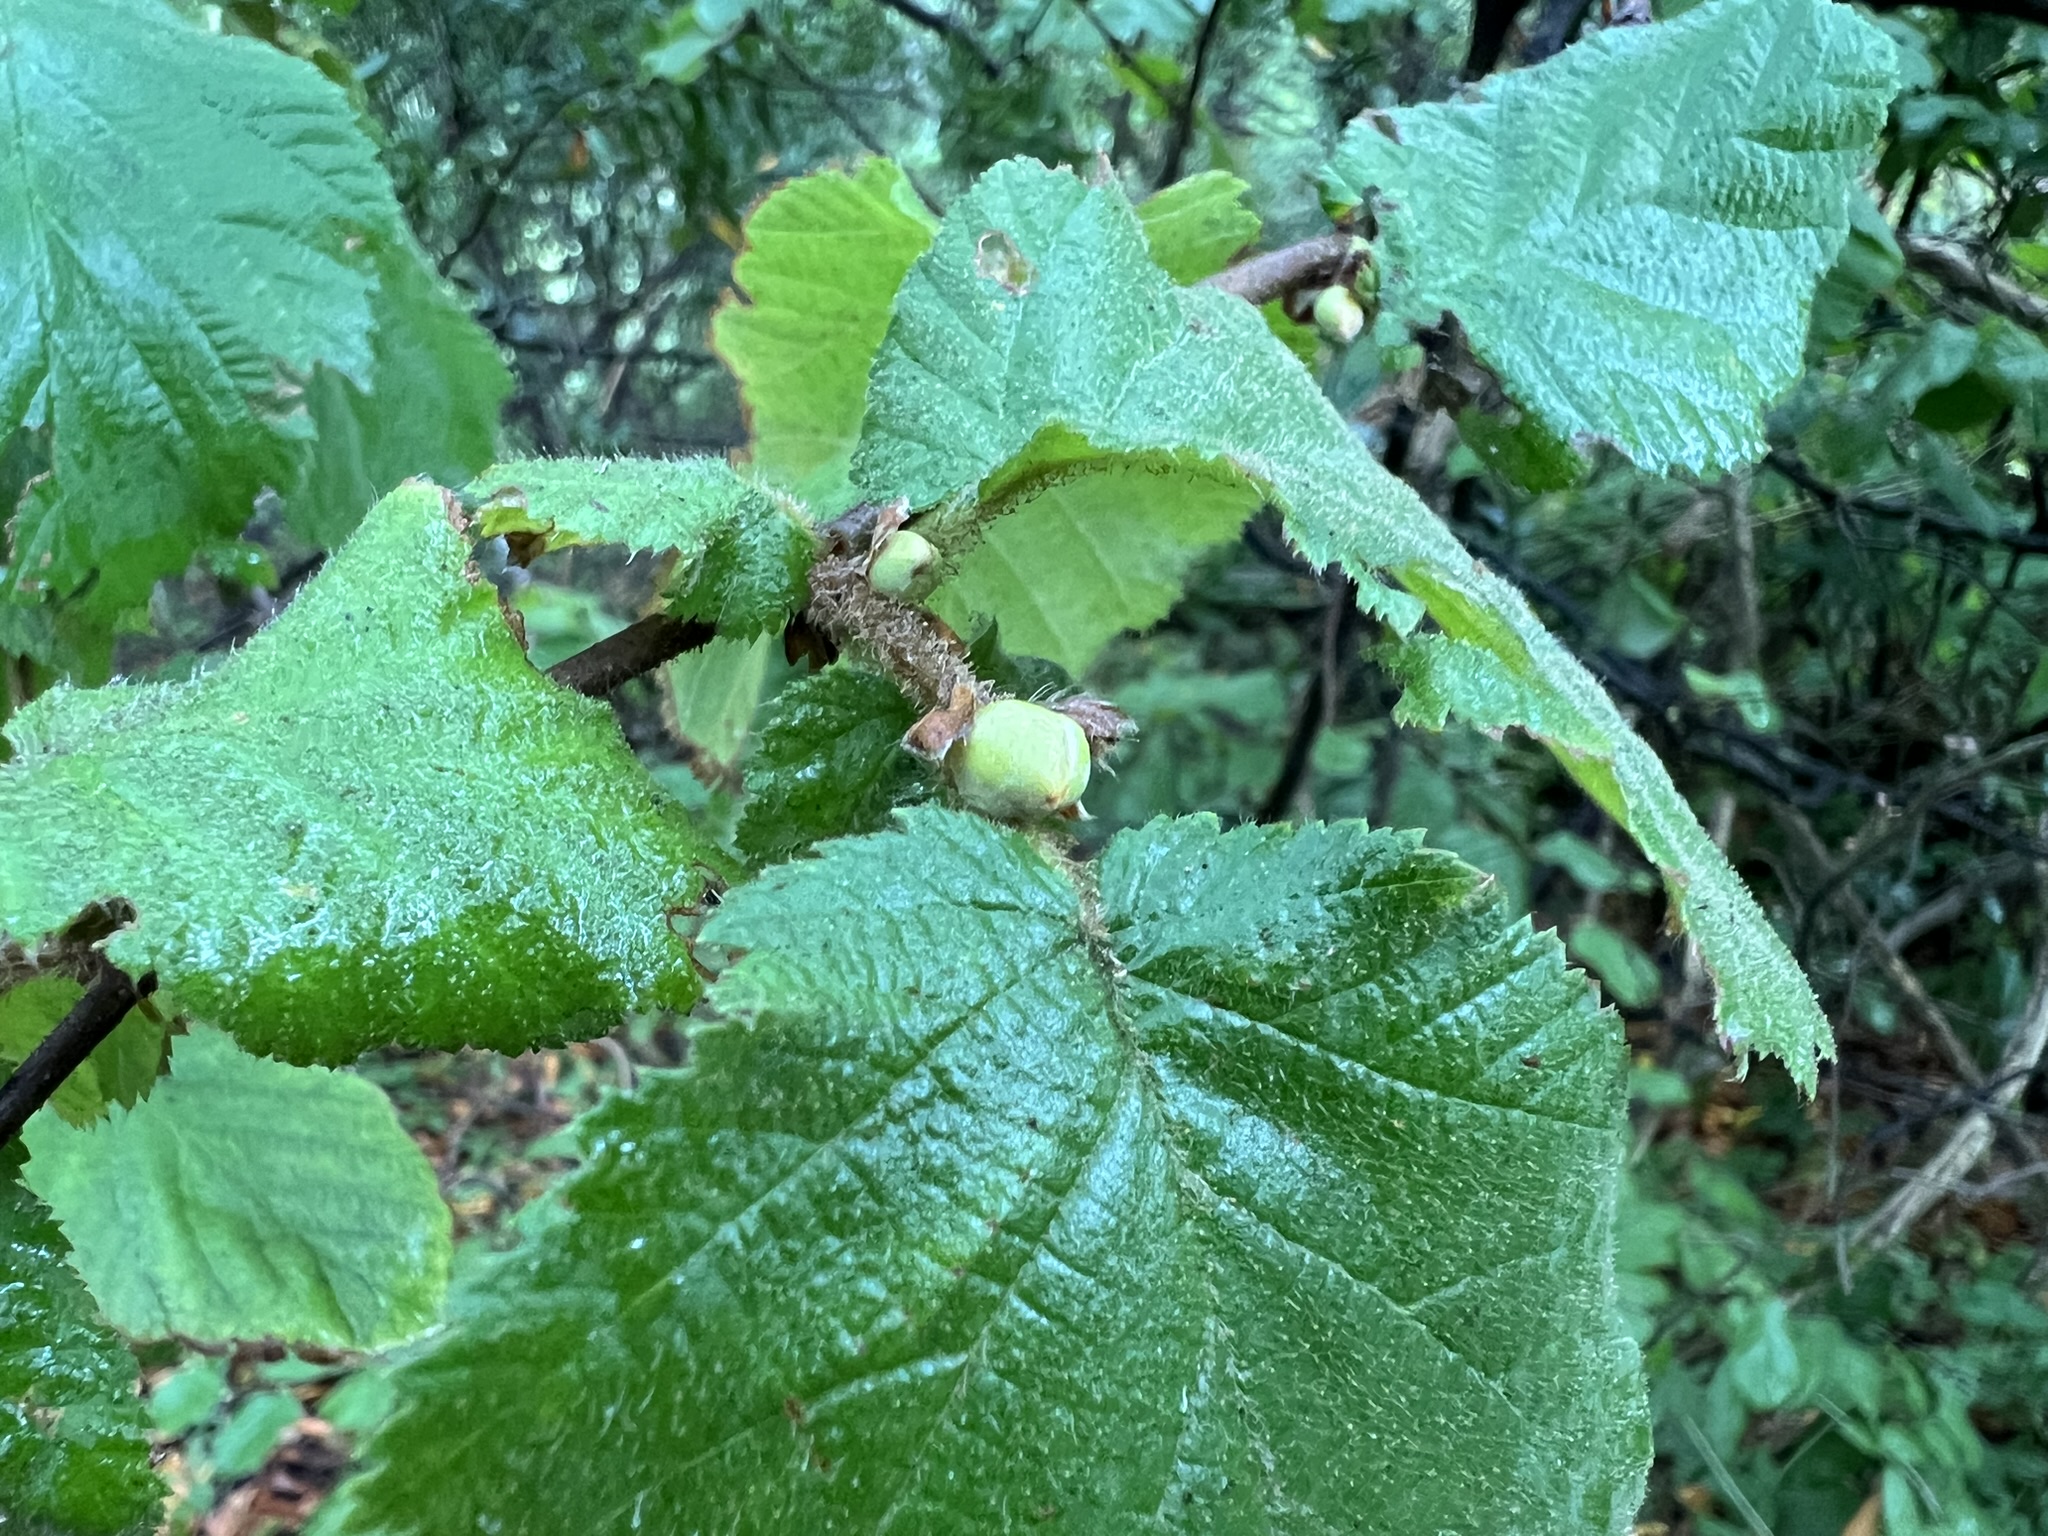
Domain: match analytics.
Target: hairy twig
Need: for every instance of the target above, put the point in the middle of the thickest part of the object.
(914, 648)
(108, 997)
(640, 647)
(1319, 261)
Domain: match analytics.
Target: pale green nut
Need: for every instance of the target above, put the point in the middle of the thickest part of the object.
(1338, 315)
(1019, 761)
(902, 566)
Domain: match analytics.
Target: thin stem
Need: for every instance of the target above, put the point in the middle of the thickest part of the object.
(1321, 260)
(640, 647)
(1190, 104)
(77, 1035)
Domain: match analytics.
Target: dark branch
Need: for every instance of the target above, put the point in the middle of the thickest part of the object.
(92, 1018)
(1318, 262)
(1794, 470)
(639, 647)
(1318, 700)
(1492, 21)
(1953, 267)
(1555, 24)
(2018, 10)
(1191, 101)
(946, 26)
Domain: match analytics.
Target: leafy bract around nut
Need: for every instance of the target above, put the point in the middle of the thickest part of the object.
(373, 823)
(901, 567)
(978, 393)
(1020, 760)
(1222, 1201)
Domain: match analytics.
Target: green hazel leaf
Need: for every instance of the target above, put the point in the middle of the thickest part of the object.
(431, 409)
(375, 823)
(1195, 226)
(179, 217)
(74, 1457)
(1631, 232)
(255, 1200)
(1097, 358)
(120, 1069)
(1222, 1202)
(713, 694)
(1087, 555)
(743, 553)
(831, 761)
(824, 256)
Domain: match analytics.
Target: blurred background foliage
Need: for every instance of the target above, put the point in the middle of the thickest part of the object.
(1842, 655)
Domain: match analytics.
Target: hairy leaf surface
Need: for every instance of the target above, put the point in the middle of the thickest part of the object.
(376, 822)
(184, 230)
(743, 554)
(1081, 353)
(1222, 1202)
(74, 1459)
(825, 255)
(247, 1199)
(1631, 231)
(831, 761)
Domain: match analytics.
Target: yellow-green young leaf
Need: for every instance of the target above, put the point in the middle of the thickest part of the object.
(1090, 554)
(824, 257)
(74, 1458)
(374, 823)
(1195, 226)
(1631, 232)
(1080, 352)
(120, 1069)
(742, 553)
(189, 223)
(713, 693)
(247, 1199)
(1219, 1192)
